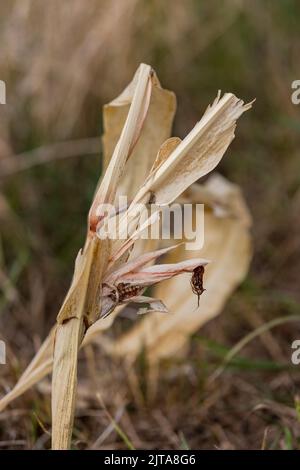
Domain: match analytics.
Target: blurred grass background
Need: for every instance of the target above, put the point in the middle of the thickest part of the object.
(61, 62)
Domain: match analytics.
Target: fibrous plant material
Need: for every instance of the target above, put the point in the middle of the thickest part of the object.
(103, 279)
(227, 245)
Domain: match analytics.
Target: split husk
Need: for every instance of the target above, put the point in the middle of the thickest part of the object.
(227, 245)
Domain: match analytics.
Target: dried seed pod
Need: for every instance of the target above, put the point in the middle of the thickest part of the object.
(126, 291)
(197, 281)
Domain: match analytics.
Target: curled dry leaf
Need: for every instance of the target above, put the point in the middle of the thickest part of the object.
(198, 154)
(129, 282)
(228, 245)
(156, 130)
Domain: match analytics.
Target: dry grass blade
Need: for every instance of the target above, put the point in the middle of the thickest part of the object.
(42, 155)
(249, 337)
(42, 363)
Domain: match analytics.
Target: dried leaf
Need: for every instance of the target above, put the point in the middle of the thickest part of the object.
(128, 283)
(142, 88)
(198, 154)
(161, 272)
(156, 129)
(165, 150)
(155, 305)
(136, 264)
(228, 246)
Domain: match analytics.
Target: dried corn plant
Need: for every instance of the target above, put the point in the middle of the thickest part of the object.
(149, 167)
